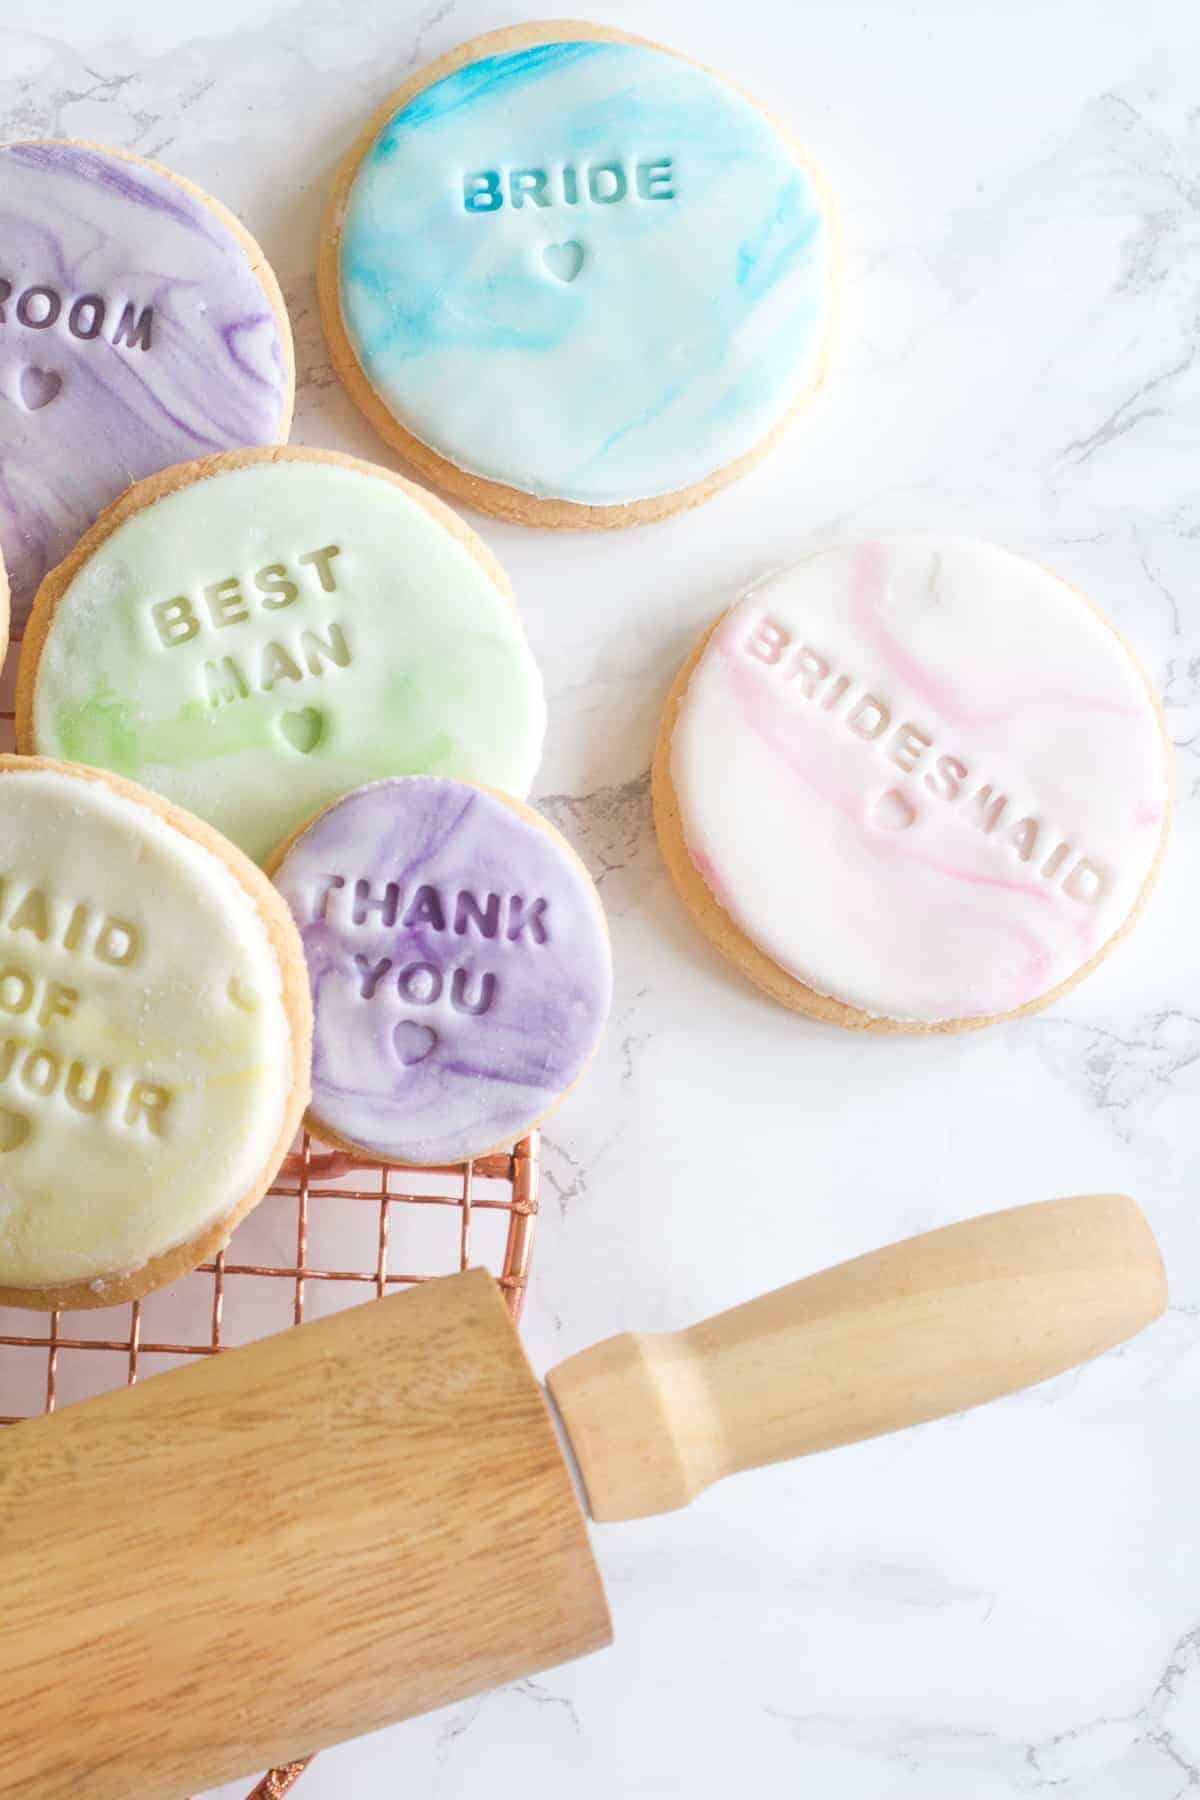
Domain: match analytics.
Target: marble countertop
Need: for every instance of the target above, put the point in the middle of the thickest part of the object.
(1006, 1603)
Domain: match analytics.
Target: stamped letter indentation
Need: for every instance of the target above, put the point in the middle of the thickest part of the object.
(562, 184)
(893, 811)
(776, 654)
(38, 388)
(240, 665)
(46, 1069)
(41, 308)
(303, 728)
(413, 1042)
(564, 261)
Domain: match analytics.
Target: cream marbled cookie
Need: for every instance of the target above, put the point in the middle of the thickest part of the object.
(913, 784)
(140, 324)
(255, 634)
(155, 1035)
(575, 278)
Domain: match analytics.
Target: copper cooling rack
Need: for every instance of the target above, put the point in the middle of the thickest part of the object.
(216, 1307)
(333, 1230)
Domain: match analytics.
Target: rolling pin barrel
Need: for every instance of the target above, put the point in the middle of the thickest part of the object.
(236, 1564)
(243, 1561)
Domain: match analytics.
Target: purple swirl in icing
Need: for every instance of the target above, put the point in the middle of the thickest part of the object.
(459, 964)
(134, 334)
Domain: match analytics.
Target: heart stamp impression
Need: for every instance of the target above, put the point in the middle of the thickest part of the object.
(414, 1042)
(564, 261)
(303, 729)
(38, 387)
(893, 811)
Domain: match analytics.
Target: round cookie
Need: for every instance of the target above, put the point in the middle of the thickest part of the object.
(140, 325)
(575, 278)
(5, 598)
(155, 1035)
(915, 784)
(459, 964)
(254, 634)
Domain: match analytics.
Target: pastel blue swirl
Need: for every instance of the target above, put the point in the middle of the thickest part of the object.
(691, 326)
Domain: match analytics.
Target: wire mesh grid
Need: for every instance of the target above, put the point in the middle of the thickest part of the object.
(333, 1230)
(275, 1244)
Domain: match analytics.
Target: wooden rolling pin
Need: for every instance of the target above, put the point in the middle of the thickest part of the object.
(240, 1562)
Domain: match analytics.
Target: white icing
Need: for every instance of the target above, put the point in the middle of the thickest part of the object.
(841, 756)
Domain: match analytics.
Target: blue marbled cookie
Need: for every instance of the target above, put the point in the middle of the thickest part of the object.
(591, 271)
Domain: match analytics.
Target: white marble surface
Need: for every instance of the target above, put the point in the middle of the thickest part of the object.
(1005, 1604)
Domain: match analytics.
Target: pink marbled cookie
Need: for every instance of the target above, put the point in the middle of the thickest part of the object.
(918, 783)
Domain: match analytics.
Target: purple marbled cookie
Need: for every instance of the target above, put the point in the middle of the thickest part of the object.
(459, 963)
(134, 333)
